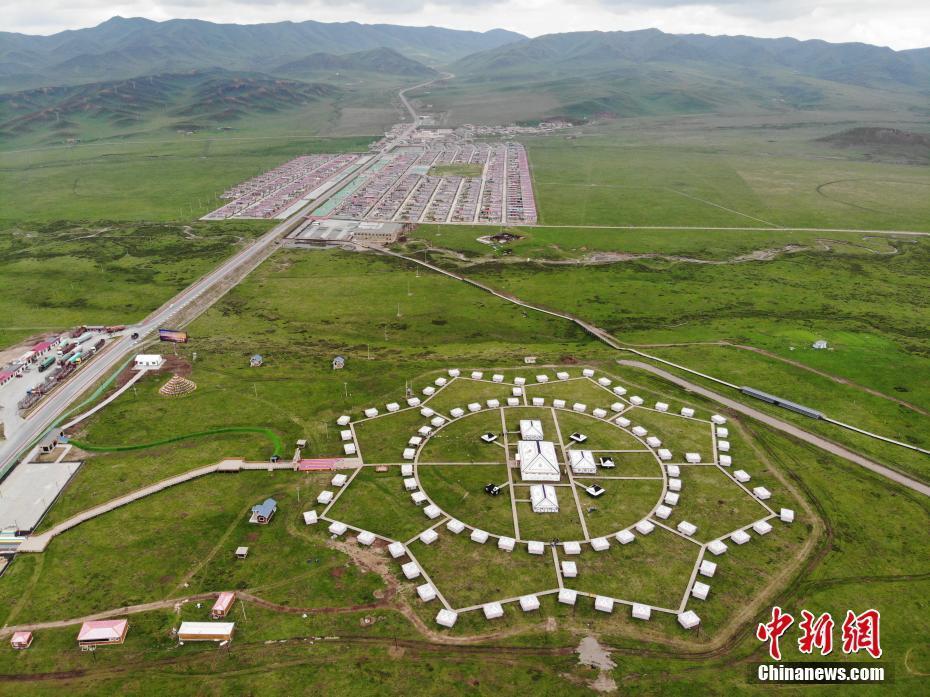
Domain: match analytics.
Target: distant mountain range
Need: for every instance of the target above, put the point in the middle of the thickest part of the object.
(385, 61)
(123, 48)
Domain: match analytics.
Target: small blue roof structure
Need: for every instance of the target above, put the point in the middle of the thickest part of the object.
(256, 360)
(262, 512)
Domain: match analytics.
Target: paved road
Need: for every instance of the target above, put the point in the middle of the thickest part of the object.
(785, 427)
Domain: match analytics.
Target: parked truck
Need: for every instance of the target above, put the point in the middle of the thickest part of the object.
(115, 328)
(47, 363)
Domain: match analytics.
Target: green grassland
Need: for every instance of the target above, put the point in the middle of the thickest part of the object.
(463, 391)
(677, 433)
(624, 503)
(460, 440)
(581, 390)
(545, 527)
(459, 491)
(384, 438)
(601, 435)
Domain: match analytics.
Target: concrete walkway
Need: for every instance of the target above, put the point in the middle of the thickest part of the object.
(785, 427)
(38, 543)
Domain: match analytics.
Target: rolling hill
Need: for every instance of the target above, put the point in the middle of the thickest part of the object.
(377, 61)
(123, 48)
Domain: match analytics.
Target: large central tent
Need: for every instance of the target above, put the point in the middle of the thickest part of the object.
(538, 462)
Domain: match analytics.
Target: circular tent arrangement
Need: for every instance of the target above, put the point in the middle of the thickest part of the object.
(563, 460)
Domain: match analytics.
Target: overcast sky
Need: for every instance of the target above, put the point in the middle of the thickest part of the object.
(896, 23)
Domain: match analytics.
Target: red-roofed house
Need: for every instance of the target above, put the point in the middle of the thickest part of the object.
(101, 632)
(42, 347)
(223, 604)
(6, 376)
(21, 640)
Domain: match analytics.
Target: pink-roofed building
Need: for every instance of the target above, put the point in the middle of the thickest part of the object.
(223, 604)
(21, 640)
(42, 347)
(101, 632)
(6, 376)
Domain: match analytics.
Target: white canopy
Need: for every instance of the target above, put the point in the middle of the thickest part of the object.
(366, 538)
(493, 611)
(528, 603)
(625, 537)
(543, 498)
(604, 604)
(641, 612)
(531, 429)
(567, 596)
(535, 547)
(582, 462)
(538, 461)
(506, 543)
(426, 592)
(446, 618)
(428, 537)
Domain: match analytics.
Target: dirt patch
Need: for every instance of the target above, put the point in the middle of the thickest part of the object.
(251, 536)
(396, 651)
(591, 653)
(177, 365)
(337, 572)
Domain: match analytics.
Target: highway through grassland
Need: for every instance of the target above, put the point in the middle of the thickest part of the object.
(180, 310)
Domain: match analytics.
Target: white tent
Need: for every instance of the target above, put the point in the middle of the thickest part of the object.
(582, 462)
(440, 382)
(558, 403)
(528, 603)
(688, 412)
(762, 527)
(437, 421)
(723, 446)
(428, 537)
(674, 484)
(625, 537)
(393, 406)
(338, 528)
(725, 460)
(479, 536)
(543, 498)
(493, 403)
(513, 402)
(619, 391)
(493, 610)
(406, 470)
(427, 412)
(663, 512)
(562, 375)
(425, 430)
(366, 538)
(717, 419)
(567, 596)
(700, 590)
(741, 476)
(639, 431)
(506, 543)
(786, 515)
(571, 547)
(345, 435)
(409, 453)
(569, 569)
(432, 511)
(474, 406)
(411, 570)
(693, 458)
(579, 407)
(538, 461)
(644, 527)
(653, 442)
(538, 401)
(517, 391)
(535, 547)
(761, 493)
(349, 449)
(414, 442)
(371, 412)
(588, 373)
(671, 499)
(723, 432)
(310, 517)
(519, 381)
(622, 422)
(413, 402)
(418, 497)
(542, 378)
(604, 382)
(426, 592)
(454, 372)
(689, 619)
(600, 544)
(456, 412)
(477, 375)
(740, 537)
(617, 407)
(497, 377)
(641, 612)
(686, 528)
(599, 413)
(447, 618)
(455, 526)
(324, 496)
(716, 548)
(636, 401)
(673, 470)
(661, 406)
(429, 390)
(707, 568)
(664, 454)
(396, 549)
(603, 604)
(531, 429)
(344, 420)
(339, 480)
